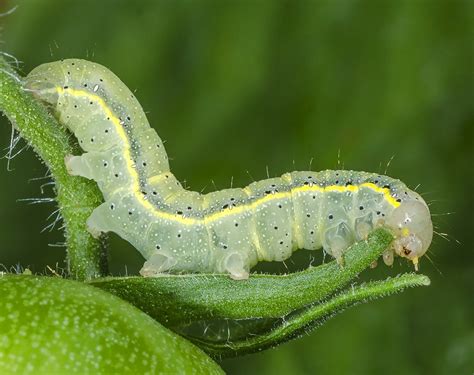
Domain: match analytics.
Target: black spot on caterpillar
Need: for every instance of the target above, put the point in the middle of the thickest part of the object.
(225, 231)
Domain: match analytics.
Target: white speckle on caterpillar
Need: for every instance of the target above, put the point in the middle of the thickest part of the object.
(225, 231)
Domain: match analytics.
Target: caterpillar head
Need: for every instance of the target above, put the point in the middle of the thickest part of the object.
(413, 229)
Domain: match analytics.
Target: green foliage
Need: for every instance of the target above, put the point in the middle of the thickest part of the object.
(269, 310)
(179, 300)
(296, 302)
(51, 326)
(300, 322)
(241, 85)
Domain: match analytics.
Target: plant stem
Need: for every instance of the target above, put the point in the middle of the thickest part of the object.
(76, 196)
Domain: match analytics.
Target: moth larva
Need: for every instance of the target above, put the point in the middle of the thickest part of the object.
(225, 231)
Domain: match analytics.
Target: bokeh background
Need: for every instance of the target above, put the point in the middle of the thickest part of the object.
(239, 87)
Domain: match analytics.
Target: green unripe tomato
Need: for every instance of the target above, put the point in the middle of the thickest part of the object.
(51, 325)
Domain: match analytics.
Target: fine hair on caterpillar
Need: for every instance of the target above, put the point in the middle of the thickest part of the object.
(225, 231)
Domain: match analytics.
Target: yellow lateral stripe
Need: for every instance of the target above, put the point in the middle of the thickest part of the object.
(220, 214)
(123, 136)
(385, 191)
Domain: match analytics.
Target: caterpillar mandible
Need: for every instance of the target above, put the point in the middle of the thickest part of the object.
(225, 231)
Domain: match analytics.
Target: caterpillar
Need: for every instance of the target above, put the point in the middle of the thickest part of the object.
(227, 231)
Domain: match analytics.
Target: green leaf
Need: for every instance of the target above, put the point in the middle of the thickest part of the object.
(299, 323)
(51, 325)
(228, 318)
(76, 196)
(175, 300)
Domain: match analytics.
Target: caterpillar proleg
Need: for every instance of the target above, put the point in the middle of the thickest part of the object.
(226, 231)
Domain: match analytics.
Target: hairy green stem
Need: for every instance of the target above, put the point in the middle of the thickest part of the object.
(76, 196)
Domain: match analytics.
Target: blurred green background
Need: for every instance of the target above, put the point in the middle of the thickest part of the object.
(238, 86)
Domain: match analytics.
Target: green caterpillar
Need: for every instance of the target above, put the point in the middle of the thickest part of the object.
(225, 231)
